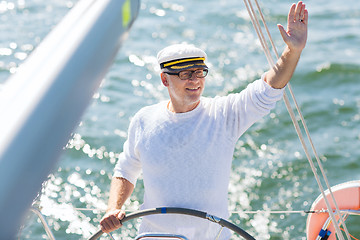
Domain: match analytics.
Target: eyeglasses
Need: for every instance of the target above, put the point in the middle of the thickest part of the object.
(187, 74)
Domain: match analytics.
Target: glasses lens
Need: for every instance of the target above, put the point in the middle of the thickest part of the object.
(201, 73)
(188, 74)
(183, 75)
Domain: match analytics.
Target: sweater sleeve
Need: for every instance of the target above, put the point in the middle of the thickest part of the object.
(128, 165)
(250, 105)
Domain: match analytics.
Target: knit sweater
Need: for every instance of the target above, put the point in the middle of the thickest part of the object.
(186, 158)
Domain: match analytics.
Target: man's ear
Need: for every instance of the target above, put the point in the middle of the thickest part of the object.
(164, 79)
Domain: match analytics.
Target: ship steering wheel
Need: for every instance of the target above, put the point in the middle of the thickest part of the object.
(183, 211)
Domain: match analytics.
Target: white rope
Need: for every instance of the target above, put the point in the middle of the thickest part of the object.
(261, 36)
(292, 115)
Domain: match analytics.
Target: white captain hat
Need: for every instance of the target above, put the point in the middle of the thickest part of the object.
(180, 57)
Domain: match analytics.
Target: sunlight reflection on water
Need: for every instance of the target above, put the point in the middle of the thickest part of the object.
(270, 171)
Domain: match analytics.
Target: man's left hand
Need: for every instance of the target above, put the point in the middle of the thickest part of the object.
(295, 36)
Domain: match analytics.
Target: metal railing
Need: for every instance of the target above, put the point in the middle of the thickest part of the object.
(160, 236)
(43, 222)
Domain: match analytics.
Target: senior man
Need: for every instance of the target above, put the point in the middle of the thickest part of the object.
(184, 146)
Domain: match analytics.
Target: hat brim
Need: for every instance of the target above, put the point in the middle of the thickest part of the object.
(185, 66)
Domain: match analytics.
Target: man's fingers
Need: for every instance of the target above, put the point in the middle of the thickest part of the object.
(112, 221)
(291, 15)
(302, 11)
(298, 11)
(105, 227)
(121, 215)
(283, 32)
(115, 221)
(306, 16)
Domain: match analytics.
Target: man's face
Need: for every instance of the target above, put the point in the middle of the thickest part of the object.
(185, 92)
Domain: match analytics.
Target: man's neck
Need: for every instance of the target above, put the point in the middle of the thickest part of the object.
(183, 108)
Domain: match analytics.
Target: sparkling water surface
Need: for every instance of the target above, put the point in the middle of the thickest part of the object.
(270, 169)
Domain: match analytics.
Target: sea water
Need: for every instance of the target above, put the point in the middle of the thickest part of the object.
(270, 169)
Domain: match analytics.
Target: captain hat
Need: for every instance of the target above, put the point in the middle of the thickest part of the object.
(180, 57)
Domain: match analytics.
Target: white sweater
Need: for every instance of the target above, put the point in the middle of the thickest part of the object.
(186, 157)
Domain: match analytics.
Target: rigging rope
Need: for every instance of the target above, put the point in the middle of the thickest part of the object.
(271, 62)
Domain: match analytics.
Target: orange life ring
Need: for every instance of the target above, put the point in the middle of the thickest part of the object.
(347, 196)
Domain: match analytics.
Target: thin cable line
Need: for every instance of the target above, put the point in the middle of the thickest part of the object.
(261, 36)
(350, 211)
